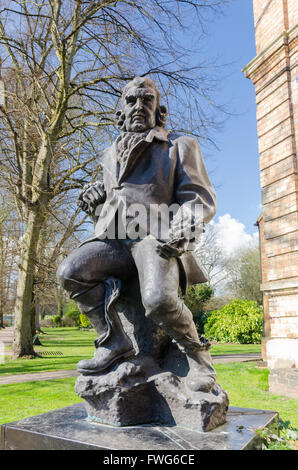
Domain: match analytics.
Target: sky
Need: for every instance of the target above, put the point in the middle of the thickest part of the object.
(234, 168)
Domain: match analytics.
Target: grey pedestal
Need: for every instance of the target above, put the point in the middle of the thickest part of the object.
(68, 429)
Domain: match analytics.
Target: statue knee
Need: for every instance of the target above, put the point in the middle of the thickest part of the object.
(158, 304)
(60, 274)
(65, 273)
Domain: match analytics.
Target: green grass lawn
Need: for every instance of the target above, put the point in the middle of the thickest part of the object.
(247, 387)
(229, 348)
(246, 384)
(19, 401)
(75, 344)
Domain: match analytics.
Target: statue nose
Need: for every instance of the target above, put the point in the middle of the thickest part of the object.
(139, 103)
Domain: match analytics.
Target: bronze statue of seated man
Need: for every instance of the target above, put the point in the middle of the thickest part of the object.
(149, 167)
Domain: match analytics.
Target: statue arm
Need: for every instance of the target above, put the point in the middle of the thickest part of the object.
(91, 196)
(193, 186)
(195, 195)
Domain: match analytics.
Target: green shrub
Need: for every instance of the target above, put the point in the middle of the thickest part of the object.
(200, 321)
(84, 321)
(57, 320)
(241, 321)
(72, 314)
(285, 439)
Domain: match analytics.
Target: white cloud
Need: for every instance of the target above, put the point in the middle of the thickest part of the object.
(231, 235)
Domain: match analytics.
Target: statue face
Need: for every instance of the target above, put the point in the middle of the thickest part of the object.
(139, 108)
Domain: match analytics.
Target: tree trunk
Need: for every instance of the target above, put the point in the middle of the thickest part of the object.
(59, 301)
(2, 256)
(37, 314)
(42, 311)
(22, 344)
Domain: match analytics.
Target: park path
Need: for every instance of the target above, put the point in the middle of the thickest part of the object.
(36, 377)
(247, 357)
(6, 336)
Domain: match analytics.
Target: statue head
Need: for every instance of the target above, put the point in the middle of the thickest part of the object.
(141, 108)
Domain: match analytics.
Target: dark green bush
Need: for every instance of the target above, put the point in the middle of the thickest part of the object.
(72, 314)
(195, 298)
(57, 320)
(241, 321)
(200, 321)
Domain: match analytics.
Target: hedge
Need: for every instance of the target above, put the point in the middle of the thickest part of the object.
(241, 321)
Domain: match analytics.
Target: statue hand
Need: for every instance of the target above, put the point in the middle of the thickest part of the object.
(91, 196)
(173, 248)
(186, 225)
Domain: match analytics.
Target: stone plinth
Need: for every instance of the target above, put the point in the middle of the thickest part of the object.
(69, 429)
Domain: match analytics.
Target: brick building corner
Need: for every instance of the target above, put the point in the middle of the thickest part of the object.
(274, 74)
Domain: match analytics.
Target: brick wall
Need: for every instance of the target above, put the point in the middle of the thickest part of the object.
(273, 72)
(284, 381)
(269, 21)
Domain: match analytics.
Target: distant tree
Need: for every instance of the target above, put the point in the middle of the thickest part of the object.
(234, 275)
(218, 301)
(245, 274)
(212, 257)
(196, 299)
(197, 296)
(9, 253)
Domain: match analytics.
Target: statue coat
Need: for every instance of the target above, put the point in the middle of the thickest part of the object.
(161, 169)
